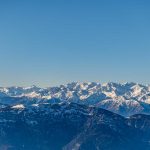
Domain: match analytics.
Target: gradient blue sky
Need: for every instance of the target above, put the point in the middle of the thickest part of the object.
(52, 42)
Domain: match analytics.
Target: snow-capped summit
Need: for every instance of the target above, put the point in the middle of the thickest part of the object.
(123, 98)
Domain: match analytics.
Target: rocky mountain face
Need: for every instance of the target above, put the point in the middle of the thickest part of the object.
(125, 99)
(71, 126)
(76, 116)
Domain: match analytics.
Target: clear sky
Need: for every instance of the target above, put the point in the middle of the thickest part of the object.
(52, 42)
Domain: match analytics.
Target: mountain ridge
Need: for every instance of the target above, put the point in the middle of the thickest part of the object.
(123, 98)
(71, 126)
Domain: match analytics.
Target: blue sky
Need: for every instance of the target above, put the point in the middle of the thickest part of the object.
(52, 42)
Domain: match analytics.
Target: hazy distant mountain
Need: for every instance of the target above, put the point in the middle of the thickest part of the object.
(125, 99)
(71, 127)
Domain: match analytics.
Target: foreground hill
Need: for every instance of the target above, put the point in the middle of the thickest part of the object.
(71, 127)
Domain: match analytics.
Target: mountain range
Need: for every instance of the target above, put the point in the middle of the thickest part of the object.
(123, 98)
(75, 116)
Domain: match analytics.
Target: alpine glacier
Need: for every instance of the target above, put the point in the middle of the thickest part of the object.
(123, 98)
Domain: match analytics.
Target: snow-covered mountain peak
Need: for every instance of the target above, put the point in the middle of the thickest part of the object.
(117, 97)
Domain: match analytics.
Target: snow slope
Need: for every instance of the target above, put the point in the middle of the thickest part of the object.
(125, 99)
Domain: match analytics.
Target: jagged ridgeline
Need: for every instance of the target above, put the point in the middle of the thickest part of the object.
(125, 99)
